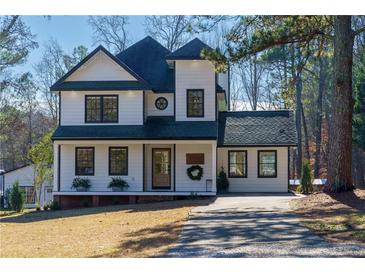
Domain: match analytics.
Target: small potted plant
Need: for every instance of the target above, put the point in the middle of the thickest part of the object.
(81, 184)
(118, 184)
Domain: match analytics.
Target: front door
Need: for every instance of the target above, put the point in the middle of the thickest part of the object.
(161, 168)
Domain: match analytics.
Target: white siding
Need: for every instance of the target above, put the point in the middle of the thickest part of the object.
(25, 176)
(252, 183)
(101, 178)
(195, 75)
(183, 182)
(100, 68)
(73, 107)
(151, 108)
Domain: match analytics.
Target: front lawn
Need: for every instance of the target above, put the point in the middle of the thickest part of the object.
(338, 217)
(141, 230)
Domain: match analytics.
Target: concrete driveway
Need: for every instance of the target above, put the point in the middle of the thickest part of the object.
(253, 226)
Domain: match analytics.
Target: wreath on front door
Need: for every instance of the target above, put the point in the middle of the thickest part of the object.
(195, 172)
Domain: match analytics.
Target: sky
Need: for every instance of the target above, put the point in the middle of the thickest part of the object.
(69, 31)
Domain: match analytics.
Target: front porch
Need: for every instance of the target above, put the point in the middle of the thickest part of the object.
(154, 168)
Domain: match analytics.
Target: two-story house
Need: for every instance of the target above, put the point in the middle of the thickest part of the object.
(159, 120)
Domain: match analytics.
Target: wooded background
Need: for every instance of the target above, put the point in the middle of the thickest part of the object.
(275, 62)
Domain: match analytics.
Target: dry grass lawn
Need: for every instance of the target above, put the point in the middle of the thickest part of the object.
(338, 217)
(141, 230)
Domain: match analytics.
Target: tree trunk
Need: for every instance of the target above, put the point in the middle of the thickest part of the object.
(317, 155)
(298, 122)
(340, 132)
(305, 130)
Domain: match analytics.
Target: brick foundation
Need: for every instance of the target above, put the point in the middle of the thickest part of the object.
(75, 201)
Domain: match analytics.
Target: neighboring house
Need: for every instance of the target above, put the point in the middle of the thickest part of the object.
(25, 176)
(148, 114)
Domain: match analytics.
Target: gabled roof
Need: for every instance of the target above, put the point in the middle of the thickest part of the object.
(155, 128)
(147, 58)
(251, 128)
(190, 51)
(58, 85)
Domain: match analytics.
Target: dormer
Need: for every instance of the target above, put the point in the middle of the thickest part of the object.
(196, 83)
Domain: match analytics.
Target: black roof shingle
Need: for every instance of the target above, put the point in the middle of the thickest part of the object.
(190, 51)
(148, 59)
(249, 128)
(155, 128)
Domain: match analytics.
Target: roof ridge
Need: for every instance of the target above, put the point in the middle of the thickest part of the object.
(148, 37)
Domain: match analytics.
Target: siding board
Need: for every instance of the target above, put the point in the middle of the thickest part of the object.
(252, 183)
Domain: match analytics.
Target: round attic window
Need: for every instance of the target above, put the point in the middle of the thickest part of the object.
(161, 103)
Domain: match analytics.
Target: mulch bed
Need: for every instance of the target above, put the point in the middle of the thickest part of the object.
(334, 216)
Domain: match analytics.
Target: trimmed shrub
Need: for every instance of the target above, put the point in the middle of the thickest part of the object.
(54, 206)
(17, 198)
(306, 185)
(222, 181)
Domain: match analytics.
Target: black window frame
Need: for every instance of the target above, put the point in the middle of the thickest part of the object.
(258, 164)
(187, 103)
(229, 163)
(76, 161)
(109, 161)
(102, 121)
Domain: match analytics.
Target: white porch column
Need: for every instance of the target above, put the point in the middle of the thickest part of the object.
(214, 167)
(55, 166)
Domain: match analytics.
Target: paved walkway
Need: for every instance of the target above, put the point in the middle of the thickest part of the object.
(253, 226)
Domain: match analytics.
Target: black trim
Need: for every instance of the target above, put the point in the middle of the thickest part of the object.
(59, 108)
(136, 139)
(144, 106)
(174, 167)
(99, 85)
(215, 98)
(288, 169)
(163, 148)
(93, 150)
(59, 167)
(253, 145)
(109, 160)
(229, 164)
(15, 169)
(3, 196)
(187, 104)
(115, 59)
(144, 168)
(229, 88)
(258, 164)
(101, 109)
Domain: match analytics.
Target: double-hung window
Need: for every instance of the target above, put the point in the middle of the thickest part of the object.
(267, 164)
(237, 163)
(101, 109)
(118, 161)
(29, 194)
(84, 161)
(195, 103)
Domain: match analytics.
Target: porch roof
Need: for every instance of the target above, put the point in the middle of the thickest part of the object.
(252, 128)
(155, 128)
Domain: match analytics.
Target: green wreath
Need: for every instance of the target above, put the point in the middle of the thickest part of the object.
(195, 172)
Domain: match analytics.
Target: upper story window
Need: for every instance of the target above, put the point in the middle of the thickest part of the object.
(237, 163)
(101, 109)
(267, 164)
(84, 161)
(195, 103)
